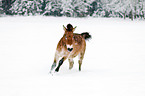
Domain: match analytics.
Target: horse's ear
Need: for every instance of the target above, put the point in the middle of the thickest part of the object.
(74, 28)
(64, 28)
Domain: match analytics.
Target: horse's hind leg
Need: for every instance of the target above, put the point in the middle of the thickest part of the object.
(71, 62)
(60, 63)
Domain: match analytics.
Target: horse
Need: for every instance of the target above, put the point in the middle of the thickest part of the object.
(70, 46)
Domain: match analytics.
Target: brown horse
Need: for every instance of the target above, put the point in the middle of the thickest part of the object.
(69, 46)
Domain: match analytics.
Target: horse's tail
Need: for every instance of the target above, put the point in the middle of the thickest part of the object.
(86, 35)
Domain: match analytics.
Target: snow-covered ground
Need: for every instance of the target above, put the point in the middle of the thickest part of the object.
(114, 63)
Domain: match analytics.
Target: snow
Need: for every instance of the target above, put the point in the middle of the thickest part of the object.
(114, 62)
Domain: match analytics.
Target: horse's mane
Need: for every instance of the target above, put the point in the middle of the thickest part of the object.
(69, 27)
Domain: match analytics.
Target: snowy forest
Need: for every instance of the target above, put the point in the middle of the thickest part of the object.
(131, 9)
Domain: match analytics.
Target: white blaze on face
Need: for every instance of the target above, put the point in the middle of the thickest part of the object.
(69, 47)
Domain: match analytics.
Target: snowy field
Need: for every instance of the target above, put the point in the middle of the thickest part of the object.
(114, 62)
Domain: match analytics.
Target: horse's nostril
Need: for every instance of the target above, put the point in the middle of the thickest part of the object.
(70, 49)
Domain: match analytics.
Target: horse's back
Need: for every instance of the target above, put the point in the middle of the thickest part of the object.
(79, 39)
(80, 42)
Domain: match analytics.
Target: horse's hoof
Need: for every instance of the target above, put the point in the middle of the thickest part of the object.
(70, 67)
(57, 69)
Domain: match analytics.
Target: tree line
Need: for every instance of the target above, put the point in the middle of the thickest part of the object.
(132, 9)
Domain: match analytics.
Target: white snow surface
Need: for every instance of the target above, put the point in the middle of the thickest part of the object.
(114, 62)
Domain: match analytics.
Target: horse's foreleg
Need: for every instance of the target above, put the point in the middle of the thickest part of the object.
(71, 63)
(56, 58)
(81, 56)
(60, 63)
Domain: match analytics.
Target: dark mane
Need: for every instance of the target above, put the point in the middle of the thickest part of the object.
(69, 27)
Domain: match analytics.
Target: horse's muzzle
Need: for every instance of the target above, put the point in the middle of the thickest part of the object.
(69, 49)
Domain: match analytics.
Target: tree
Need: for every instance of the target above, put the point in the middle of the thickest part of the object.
(6, 5)
(27, 7)
(67, 8)
(139, 9)
(56, 7)
(42, 6)
(80, 7)
(75, 8)
(95, 8)
(125, 8)
(1, 9)
(53, 7)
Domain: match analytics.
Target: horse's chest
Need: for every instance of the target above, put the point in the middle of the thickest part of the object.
(65, 53)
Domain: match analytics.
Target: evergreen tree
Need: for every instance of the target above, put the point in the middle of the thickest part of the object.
(16, 7)
(56, 7)
(47, 7)
(42, 6)
(70, 8)
(75, 8)
(125, 8)
(67, 8)
(139, 12)
(53, 7)
(6, 5)
(34, 7)
(80, 7)
(1, 9)
(27, 7)
(95, 8)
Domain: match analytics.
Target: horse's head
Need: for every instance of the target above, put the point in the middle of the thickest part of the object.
(69, 36)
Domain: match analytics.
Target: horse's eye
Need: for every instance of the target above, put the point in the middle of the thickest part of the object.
(65, 37)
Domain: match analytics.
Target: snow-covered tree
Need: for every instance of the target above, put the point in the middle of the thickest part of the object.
(53, 7)
(1, 9)
(27, 7)
(75, 8)
(70, 8)
(33, 7)
(80, 7)
(67, 8)
(121, 6)
(124, 8)
(95, 8)
(6, 5)
(42, 6)
(16, 7)
(139, 9)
